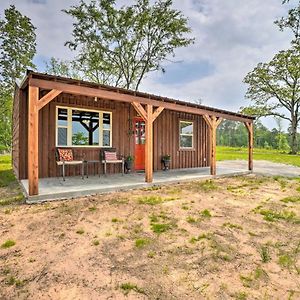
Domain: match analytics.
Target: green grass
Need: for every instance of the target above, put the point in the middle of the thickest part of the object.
(231, 153)
(127, 287)
(292, 199)
(10, 190)
(8, 244)
(6, 173)
(154, 200)
(140, 243)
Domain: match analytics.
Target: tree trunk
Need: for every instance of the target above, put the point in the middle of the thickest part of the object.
(294, 125)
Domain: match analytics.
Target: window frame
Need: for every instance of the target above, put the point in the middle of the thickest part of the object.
(69, 127)
(185, 134)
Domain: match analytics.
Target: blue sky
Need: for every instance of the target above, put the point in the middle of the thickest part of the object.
(232, 36)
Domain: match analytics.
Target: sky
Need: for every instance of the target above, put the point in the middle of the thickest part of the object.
(231, 38)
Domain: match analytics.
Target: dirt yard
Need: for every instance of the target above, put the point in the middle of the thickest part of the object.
(230, 238)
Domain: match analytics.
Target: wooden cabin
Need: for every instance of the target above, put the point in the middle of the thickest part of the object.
(51, 112)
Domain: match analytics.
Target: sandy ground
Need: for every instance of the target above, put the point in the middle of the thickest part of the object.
(230, 238)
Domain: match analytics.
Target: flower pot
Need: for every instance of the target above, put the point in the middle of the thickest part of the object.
(166, 163)
(128, 165)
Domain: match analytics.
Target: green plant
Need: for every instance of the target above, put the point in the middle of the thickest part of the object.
(80, 231)
(96, 242)
(205, 186)
(292, 199)
(154, 200)
(205, 213)
(286, 260)
(8, 244)
(129, 158)
(232, 226)
(93, 208)
(166, 157)
(265, 254)
(115, 220)
(160, 228)
(139, 243)
(190, 219)
(127, 287)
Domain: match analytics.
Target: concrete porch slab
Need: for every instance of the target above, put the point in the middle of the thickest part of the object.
(55, 188)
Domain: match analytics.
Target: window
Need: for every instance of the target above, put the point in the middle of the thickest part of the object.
(77, 127)
(186, 135)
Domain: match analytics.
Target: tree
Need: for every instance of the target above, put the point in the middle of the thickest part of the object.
(59, 67)
(291, 22)
(17, 44)
(274, 89)
(120, 46)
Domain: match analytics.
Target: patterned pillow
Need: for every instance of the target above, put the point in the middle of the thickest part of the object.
(65, 154)
(110, 155)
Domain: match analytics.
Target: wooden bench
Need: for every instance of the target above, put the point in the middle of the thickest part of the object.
(110, 156)
(65, 157)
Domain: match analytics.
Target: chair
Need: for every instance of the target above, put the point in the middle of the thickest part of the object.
(109, 156)
(65, 157)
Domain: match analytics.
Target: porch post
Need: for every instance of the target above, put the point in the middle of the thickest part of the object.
(249, 126)
(213, 122)
(149, 144)
(149, 117)
(33, 153)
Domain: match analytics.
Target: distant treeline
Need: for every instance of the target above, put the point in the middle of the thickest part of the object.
(234, 134)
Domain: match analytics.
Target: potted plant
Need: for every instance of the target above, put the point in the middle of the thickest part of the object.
(166, 159)
(128, 163)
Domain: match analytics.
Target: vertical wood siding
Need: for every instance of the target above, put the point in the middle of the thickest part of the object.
(166, 136)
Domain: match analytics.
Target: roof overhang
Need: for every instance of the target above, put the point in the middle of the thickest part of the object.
(79, 87)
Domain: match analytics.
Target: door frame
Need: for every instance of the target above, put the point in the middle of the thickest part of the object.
(139, 119)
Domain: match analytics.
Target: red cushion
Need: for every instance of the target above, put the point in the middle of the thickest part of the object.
(110, 155)
(65, 154)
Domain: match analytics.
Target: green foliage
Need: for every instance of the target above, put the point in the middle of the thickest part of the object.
(154, 200)
(274, 86)
(292, 199)
(17, 48)
(127, 287)
(272, 216)
(205, 186)
(59, 67)
(8, 244)
(119, 46)
(80, 231)
(140, 243)
(205, 213)
(265, 254)
(160, 227)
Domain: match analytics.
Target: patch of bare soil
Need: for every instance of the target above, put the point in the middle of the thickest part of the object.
(230, 238)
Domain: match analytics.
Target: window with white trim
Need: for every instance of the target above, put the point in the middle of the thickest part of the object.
(83, 128)
(186, 132)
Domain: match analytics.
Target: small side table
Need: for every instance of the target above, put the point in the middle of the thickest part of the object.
(94, 162)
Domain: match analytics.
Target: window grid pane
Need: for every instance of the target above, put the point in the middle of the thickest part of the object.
(83, 128)
(186, 134)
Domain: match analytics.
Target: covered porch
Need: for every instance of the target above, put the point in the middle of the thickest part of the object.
(42, 89)
(55, 188)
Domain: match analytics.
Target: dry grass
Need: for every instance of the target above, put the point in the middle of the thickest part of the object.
(234, 239)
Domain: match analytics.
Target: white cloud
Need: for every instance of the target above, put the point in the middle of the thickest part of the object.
(232, 36)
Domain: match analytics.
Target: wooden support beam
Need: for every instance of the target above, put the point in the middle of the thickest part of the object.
(33, 151)
(157, 112)
(149, 144)
(213, 122)
(47, 98)
(249, 126)
(140, 109)
(113, 95)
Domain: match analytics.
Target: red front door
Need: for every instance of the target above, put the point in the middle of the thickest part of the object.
(139, 140)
